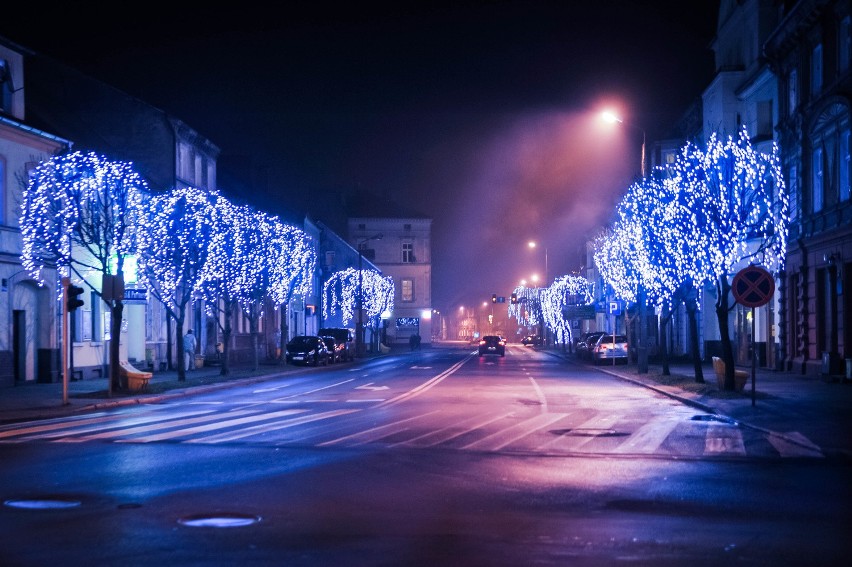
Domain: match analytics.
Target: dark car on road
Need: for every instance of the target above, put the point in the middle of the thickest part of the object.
(345, 339)
(335, 349)
(307, 350)
(531, 340)
(492, 344)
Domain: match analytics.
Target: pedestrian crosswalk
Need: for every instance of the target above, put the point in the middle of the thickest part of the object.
(523, 430)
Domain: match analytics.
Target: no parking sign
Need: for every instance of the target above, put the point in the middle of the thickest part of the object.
(753, 286)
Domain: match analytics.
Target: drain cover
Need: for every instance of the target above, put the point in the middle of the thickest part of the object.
(713, 417)
(42, 503)
(225, 520)
(587, 432)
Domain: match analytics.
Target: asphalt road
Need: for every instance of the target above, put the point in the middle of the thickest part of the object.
(437, 458)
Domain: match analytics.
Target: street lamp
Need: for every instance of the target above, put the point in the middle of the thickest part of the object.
(612, 119)
(642, 349)
(543, 333)
(361, 243)
(533, 244)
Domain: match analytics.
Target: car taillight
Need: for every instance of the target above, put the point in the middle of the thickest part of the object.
(481, 343)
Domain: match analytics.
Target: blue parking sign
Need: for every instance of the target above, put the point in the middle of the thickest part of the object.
(614, 308)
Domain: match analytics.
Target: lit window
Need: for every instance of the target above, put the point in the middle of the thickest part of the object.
(407, 291)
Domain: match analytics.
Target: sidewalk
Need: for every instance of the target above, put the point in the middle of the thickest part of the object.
(39, 401)
(806, 411)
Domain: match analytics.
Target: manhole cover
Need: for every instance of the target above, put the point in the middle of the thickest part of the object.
(42, 503)
(225, 520)
(713, 417)
(586, 432)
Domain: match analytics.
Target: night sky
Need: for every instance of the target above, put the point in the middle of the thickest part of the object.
(483, 116)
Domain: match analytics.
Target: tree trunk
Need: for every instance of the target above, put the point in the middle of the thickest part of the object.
(692, 316)
(723, 288)
(253, 332)
(226, 341)
(283, 330)
(116, 312)
(181, 366)
(169, 364)
(664, 347)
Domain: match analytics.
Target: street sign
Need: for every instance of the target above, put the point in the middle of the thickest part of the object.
(614, 308)
(578, 312)
(753, 286)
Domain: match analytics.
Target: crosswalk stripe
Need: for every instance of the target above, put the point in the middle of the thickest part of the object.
(649, 437)
(266, 427)
(802, 447)
(374, 433)
(724, 440)
(504, 437)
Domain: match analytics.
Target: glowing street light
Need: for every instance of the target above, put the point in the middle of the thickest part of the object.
(533, 244)
(612, 118)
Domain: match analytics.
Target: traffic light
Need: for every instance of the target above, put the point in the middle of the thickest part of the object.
(493, 298)
(72, 297)
(514, 298)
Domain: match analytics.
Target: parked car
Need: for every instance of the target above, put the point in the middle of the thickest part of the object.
(335, 349)
(585, 343)
(531, 340)
(610, 347)
(308, 350)
(492, 344)
(344, 337)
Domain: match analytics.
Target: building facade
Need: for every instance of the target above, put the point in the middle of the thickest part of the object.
(810, 52)
(404, 252)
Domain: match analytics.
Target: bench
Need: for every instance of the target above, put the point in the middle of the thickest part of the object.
(137, 380)
(740, 376)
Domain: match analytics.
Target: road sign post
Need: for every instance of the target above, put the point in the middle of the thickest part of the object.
(753, 287)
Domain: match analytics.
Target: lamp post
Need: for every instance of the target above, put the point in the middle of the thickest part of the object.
(641, 348)
(361, 243)
(612, 118)
(533, 244)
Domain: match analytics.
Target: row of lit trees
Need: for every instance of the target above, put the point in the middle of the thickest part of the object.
(547, 305)
(84, 214)
(692, 224)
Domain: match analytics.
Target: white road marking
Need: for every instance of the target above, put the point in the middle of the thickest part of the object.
(649, 437)
(182, 431)
(428, 384)
(504, 437)
(316, 390)
(369, 386)
(724, 440)
(452, 431)
(802, 447)
(266, 427)
(368, 435)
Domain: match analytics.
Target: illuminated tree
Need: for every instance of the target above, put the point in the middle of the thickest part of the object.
(180, 234)
(79, 213)
(564, 291)
(341, 294)
(294, 263)
(528, 308)
(710, 213)
(740, 205)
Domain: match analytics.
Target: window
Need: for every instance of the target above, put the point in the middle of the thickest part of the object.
(844, 165)
(816, 180)
(844, 45)
(2, 191)
(793, 192)
(816, 69)
(764, 119)
(793, 91)
(407, 291)
(407, 253)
